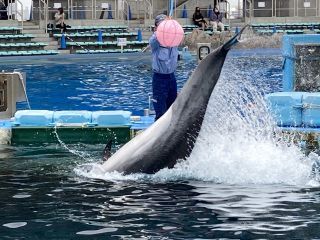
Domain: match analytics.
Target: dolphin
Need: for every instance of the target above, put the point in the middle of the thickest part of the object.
(173, 135)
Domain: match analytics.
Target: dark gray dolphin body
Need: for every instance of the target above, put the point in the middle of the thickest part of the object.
(172, 137)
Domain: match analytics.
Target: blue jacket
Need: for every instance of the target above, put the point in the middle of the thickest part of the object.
(216, 18)
(164, 59)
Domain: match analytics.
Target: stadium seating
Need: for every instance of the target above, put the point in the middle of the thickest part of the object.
(288, 28)
(87, 39)
(189, 28)
(14, 43)
(86, 29)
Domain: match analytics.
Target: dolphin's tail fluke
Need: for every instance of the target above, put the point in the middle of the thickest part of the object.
(234, 39)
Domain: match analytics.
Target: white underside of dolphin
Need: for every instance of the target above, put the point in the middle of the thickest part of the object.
(172, 136)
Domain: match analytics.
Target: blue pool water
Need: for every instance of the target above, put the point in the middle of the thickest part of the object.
(250, 189)
(91, 84)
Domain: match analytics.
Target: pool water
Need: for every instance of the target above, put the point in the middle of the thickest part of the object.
(91, 84)
(237, 184)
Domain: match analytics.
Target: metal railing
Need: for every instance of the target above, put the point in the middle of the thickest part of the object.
(18, 2)
(227, 10)
(148, 5)
(248, 6)
(120, 9)
(15, 10)
(43, 14)
(191, 4)
(281, 8)
(123, 11)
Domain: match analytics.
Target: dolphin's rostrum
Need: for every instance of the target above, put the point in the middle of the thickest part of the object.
(172, 137)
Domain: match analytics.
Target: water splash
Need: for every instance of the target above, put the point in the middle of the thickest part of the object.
(78, 153)
(250, 39)
(237, 143)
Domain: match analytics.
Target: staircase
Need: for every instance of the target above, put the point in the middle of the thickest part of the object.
(39, 35)
(180, 2)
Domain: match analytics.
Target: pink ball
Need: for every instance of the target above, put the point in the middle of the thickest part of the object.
(169, 33)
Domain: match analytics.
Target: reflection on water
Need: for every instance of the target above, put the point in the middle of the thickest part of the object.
(232, 187)
(42, 197)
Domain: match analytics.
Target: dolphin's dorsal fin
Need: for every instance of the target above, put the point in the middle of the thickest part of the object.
(107, 150)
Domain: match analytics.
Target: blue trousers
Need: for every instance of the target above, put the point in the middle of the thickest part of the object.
(164, 88)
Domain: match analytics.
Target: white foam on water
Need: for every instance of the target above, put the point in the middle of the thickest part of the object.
(21, 196)
(14, 224)
(5, 135)
(99, 231)
(236, 144)
(95, 170)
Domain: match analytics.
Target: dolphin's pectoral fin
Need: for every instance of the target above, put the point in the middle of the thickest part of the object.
(107, 150)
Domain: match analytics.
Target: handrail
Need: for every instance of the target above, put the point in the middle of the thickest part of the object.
(124, 12)
(248, 2)
(297, 9)
(128, 6)
(93, 9)
(21, 14)
(43, 12)
(15, 10)
(150, 9)
(228, 12)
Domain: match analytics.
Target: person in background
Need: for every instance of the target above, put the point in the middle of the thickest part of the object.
(59, 18)
(164, 63)
(216, 20)
(198, 19)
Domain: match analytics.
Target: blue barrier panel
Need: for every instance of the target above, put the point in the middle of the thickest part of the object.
(110, 12)
(139, 38)
(210, 12)
(286, 108)
(63, 42)
(274, 29)
(100, 35)
(311, 109)
(129, 17)
(184, 12)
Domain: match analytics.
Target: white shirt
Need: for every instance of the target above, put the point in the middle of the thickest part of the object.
(59, 18)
